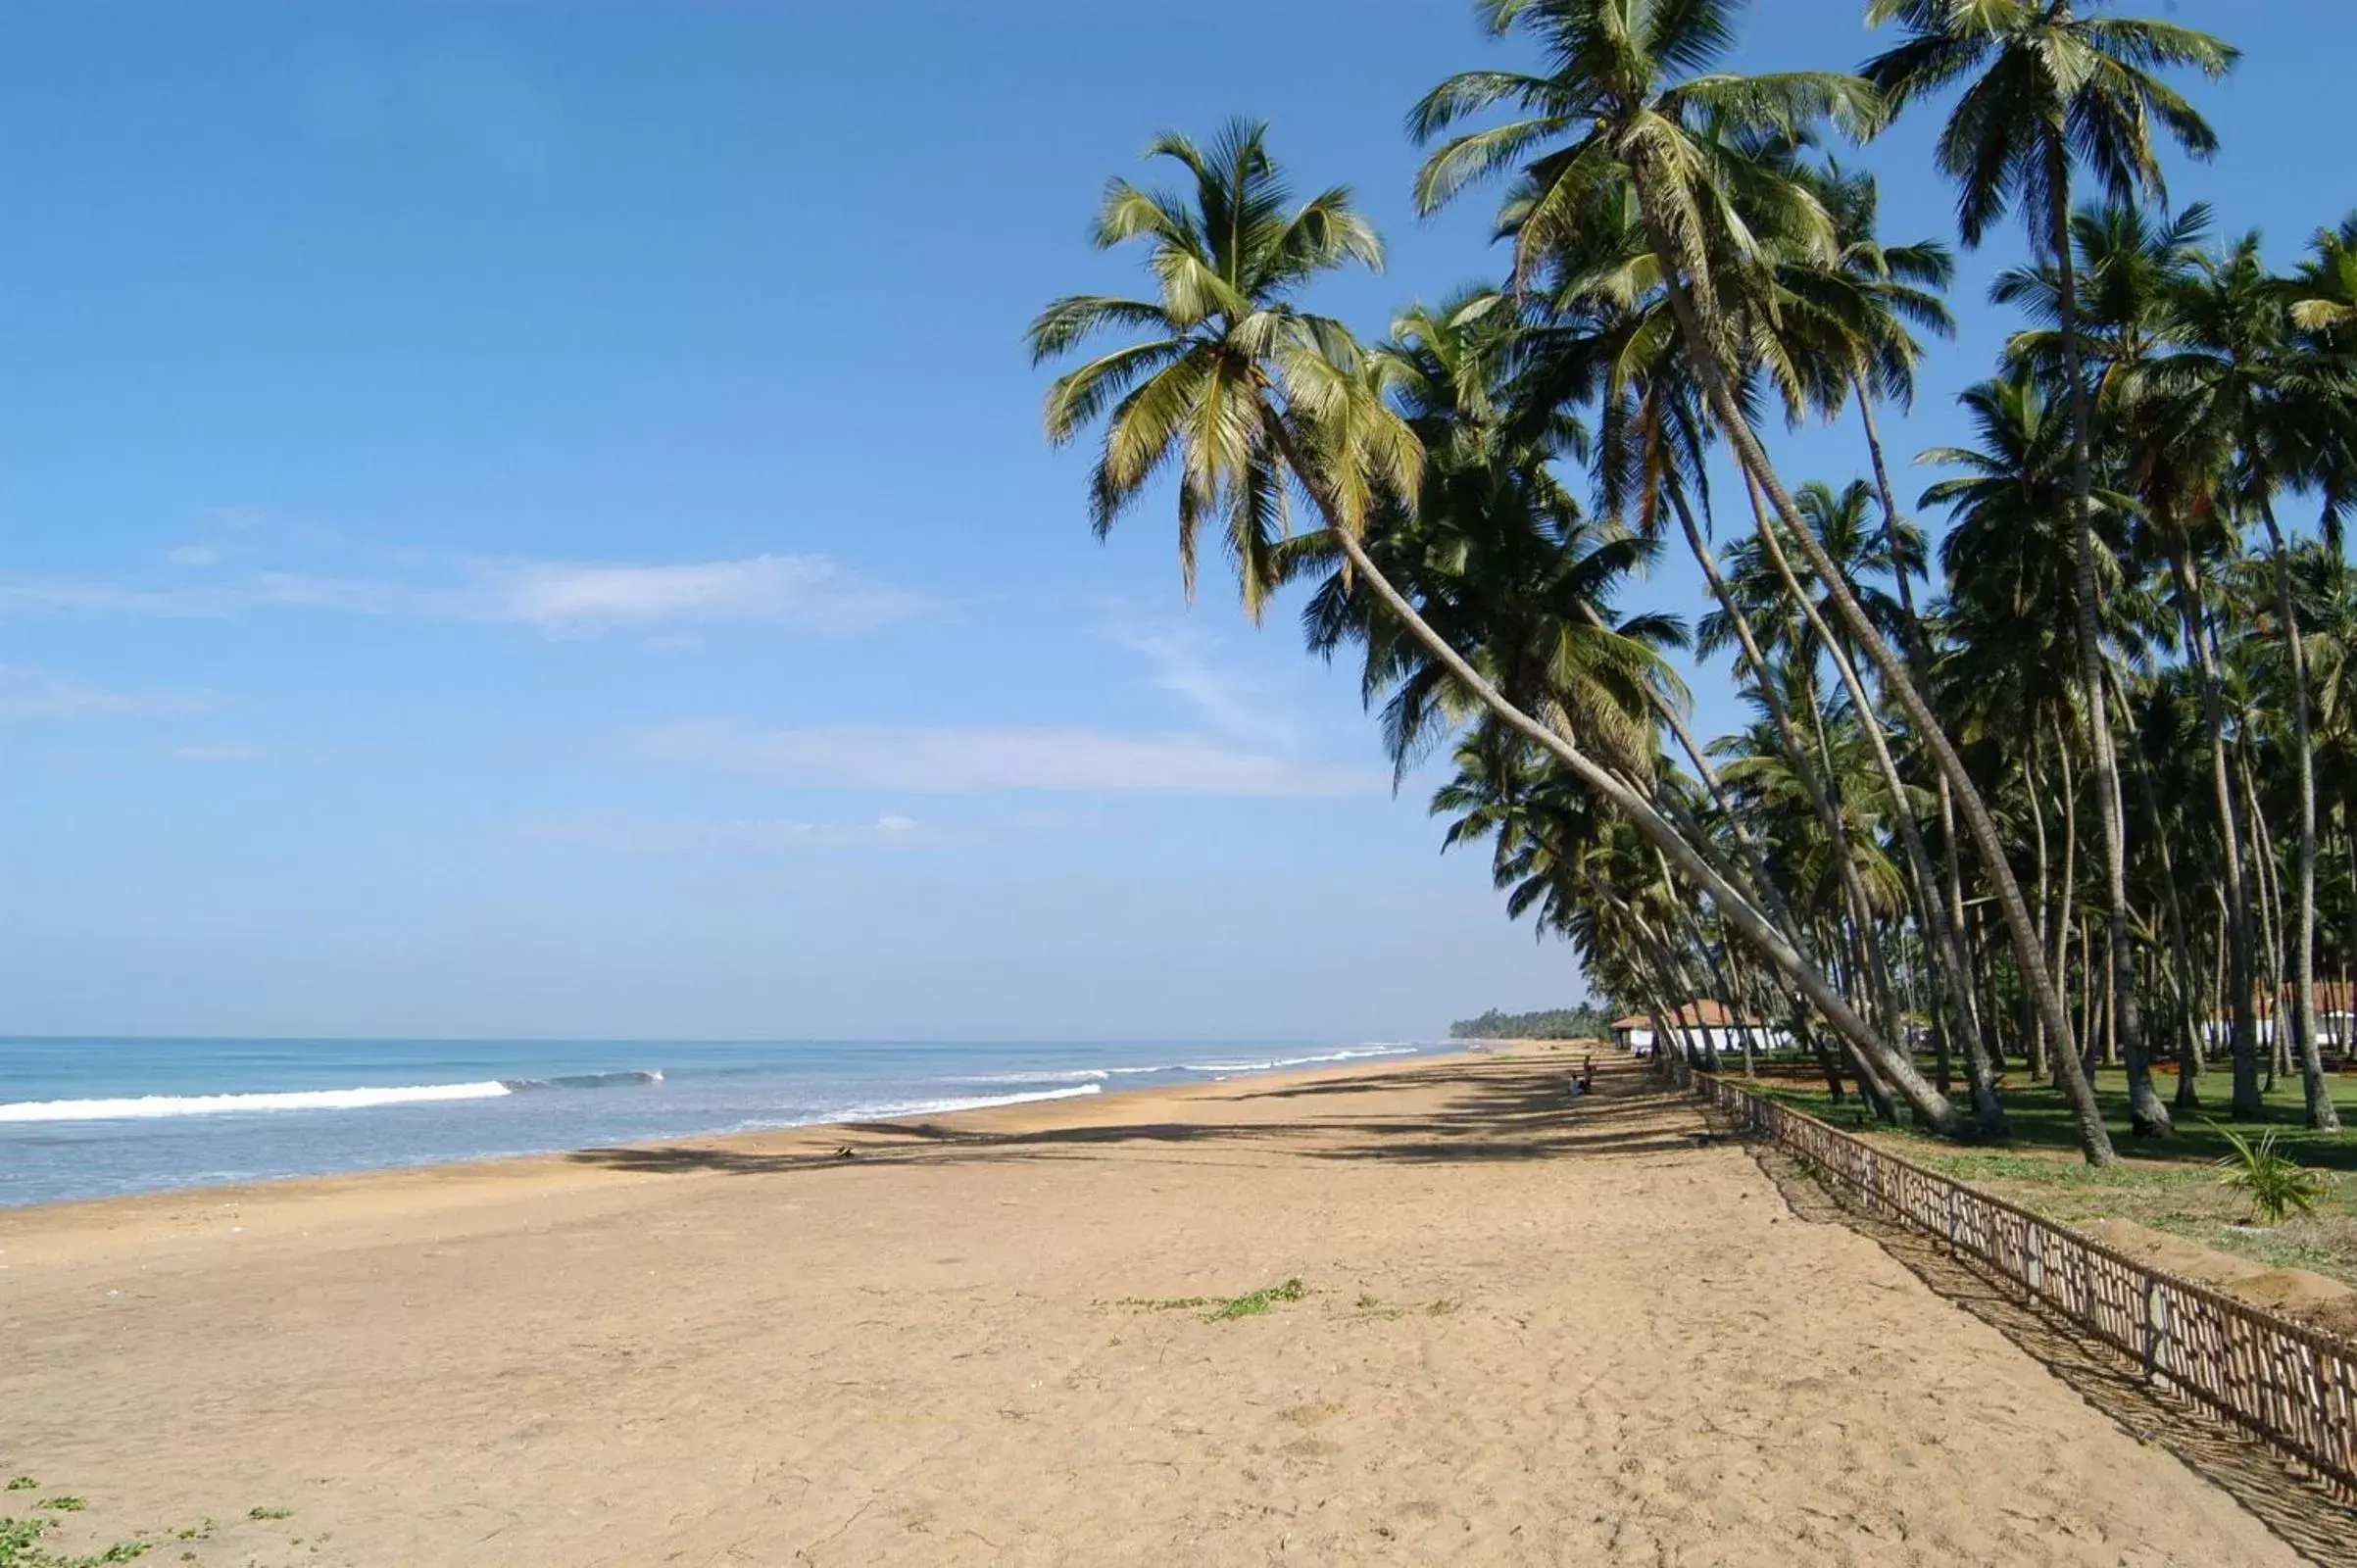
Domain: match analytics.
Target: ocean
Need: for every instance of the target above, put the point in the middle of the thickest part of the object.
(92, 1118)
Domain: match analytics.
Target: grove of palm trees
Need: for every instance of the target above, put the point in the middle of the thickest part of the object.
(2050, 765)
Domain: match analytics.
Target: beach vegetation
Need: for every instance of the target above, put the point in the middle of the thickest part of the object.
(269, 1514)
(1254, 1303)
(2044, 773)
(1552, 1023)
(2276, 1184)
(1226, 1309)
(20, 1548)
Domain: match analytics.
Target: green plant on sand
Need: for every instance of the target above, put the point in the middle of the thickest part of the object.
(1224, 1308)
(20, 1548)
(2275, 1183)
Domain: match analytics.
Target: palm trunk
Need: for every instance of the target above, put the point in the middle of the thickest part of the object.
(2188, 1048)
(1819, 787)
(2242, 975)
(1733, 906)
(1952, 888)
(2147, 1114)
(1700, 355)
(2036, 1038)
(2068, 1045)
(2320, 1113)
(2271, 924)
(1754, 860)
(1952, 975)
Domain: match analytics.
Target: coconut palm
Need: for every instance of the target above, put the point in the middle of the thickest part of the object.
(1631, 108)
(1875, 298)
(2052, 89)
(1496, 557)
(2242, 376)
(1237, 390)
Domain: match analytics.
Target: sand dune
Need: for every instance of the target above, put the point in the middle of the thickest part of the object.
(1533, 1333)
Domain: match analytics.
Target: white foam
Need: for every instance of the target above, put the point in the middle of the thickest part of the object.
(1077, 1075)
(147, 1106)
(1348, 1053)
(936, 1108)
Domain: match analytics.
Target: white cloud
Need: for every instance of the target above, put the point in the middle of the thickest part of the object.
(31, 694)
(192, 555)
(1232, 705)
(809, 593)
(755, 836)
(965, 759)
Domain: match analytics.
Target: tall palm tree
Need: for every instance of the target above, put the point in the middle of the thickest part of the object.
(2243, 374)
(1237, 390)
(2052, 89)
(1630, 106)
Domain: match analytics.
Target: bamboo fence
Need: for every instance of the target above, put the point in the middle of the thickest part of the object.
(2295, 1388)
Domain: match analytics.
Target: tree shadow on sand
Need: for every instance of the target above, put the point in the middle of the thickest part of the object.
(1493, 1114)
(2312, 1516)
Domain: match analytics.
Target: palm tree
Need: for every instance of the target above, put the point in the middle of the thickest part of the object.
(2053, 89)
(1881, 295)
(2243, 375)
(1238, 390)
(1631, 107)
(1497, 558)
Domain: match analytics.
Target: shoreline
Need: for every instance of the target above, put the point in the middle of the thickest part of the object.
(455, 1182)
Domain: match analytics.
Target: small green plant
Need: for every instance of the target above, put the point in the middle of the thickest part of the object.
(20, 1548)
(20, 1538)
(119, 1551)
(2275, 1183)
(21, 1483)
(1222, 1307)
(269, 1514)
(64, 1502)
(1257, 1302)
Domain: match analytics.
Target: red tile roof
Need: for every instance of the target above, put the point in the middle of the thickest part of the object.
(1694, 1014)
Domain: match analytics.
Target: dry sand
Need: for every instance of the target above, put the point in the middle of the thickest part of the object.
(1537, 1332)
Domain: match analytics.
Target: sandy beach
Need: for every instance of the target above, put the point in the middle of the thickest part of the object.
(1531, 1332)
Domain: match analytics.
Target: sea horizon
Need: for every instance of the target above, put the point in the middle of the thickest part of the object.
(111, 1115)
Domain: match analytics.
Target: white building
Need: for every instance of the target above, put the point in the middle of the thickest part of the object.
(1700, 1028)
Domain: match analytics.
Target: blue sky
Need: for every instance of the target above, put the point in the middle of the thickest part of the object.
(520, 520)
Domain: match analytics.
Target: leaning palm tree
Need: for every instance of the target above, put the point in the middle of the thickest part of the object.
(1631, 109)
(2055, 89)
(1238, 391)
(1871, 302)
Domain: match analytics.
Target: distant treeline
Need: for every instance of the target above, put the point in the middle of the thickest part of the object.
(1556, 1023)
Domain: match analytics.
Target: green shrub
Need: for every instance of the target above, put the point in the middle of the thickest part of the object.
(2275, 1183)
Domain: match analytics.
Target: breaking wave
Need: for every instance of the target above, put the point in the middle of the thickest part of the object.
(145, 1108)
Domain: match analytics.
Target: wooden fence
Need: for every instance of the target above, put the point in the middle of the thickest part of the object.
(2295, 1388)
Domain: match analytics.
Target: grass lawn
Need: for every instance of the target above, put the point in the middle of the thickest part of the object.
(2169, 1184)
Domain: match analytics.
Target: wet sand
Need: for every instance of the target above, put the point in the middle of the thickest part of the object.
(1534, 1332)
